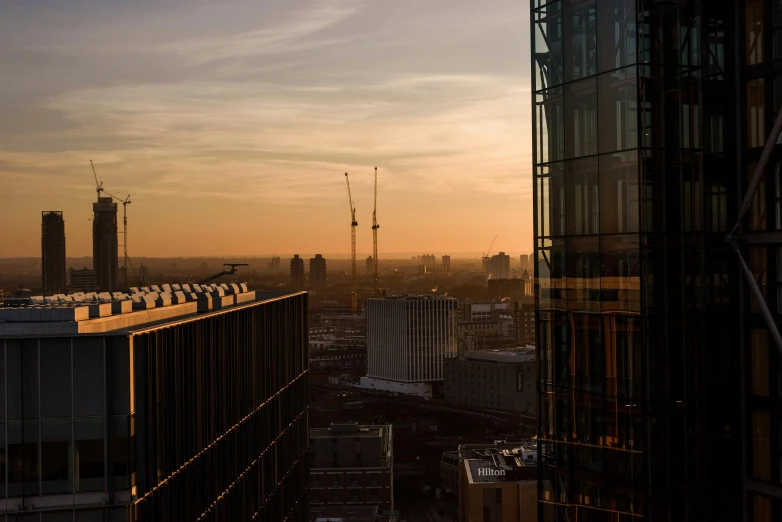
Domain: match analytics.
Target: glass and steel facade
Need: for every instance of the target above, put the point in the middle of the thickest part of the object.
(659, 388)
(199, 419)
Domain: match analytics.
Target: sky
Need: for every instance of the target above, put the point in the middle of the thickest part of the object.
(231, 123)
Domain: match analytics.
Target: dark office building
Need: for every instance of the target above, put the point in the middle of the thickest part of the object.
(659, 385)
(161, 412)
(352, 464)
(104, 243)
(318, 272)
(297, 273)
(53, 253)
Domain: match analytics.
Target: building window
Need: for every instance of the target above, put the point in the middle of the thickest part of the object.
(761, 508)
(761, 445)
(759, 363)
(754, 31)
(756, 109)
(580, 41)
(581, 115)
(582, 196)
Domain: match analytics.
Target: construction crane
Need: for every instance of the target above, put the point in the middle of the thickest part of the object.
(486, 254)
(353, 225)
(98, 181)
(375, 226)
(230, 271)
(125, 202)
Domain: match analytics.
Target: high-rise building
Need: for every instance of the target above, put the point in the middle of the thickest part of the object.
(370, 266)
(274, 265)
(317, 272)
(428, 261)
(297, 273)
(352, 464)
(446, 265)
(655, 362)
(104, 243)
(53, 276)
(499, 266)
(158, 412)
(83, 280)
(408, 337)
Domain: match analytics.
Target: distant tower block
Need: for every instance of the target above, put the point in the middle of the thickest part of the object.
(318, 272)
(297, 273)
(104, 243)
(370, 267)
(446, 265)
(53, 275)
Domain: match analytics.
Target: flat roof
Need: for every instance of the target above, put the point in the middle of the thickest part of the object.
(138, 310)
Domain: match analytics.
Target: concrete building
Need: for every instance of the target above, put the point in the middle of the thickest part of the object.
(317, 272)
(274, 265)
(498, 380)
(83, 280)
(352, 464)
(343, 354)
(369, 266)
(449, 474)
(408, 338)
(53, 276)
(498, 483)
(104, 244)
(513, 289)
(446, 265)
(499, 266)
(429, 261)
(180, 403)
(476, 312)
(297, 273)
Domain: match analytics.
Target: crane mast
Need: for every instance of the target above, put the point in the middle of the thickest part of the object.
(125, 202)
(375, 226)
(353, 225)
(98, 183)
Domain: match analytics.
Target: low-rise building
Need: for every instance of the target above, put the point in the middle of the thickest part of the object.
(498, 483)
(501, 380)
(341, 354)
(352, 465)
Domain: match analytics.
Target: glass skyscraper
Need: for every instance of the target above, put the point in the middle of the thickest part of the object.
(659, 387)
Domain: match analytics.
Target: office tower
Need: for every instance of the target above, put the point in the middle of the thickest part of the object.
(130, 410)
(499, 266)
(83, 280)
(352, 464)
(407, 339)
(297, 273)
(446, 265)
(369, 264)
(317, 272)
(649, 119)
(274, 265)
(53, 253)
(104, 243)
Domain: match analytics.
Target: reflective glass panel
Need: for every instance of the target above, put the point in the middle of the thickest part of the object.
(620, 211)
(56, 456)
(618, 110)
(581, 118)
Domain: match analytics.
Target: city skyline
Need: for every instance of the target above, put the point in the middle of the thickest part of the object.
(235, 121)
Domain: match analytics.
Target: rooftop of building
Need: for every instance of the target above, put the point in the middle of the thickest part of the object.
(412, 297)
(94, 312)
(515, 355)
(348, 429)
(500, 462)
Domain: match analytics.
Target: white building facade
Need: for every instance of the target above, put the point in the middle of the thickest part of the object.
(408, 338)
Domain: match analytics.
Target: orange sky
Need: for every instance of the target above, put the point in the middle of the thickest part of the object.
(231, 124)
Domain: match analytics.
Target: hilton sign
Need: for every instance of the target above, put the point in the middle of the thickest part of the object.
(491, 472)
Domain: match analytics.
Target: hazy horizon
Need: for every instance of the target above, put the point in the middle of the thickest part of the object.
(231, 123)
